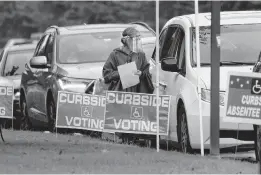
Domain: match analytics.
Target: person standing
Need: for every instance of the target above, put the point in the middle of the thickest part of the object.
(129, 52)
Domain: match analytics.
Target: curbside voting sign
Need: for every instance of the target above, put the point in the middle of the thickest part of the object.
(80, 111)
(243, 99)
(6, 102)
(136, 113)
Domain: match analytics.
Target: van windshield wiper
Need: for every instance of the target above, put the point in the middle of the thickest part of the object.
(229, 63)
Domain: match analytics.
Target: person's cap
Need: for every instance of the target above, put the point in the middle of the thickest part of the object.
(131, 32)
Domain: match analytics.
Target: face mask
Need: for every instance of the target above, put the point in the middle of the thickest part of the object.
(136, 45)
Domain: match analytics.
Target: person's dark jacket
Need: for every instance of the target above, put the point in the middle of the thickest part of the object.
(122, 56)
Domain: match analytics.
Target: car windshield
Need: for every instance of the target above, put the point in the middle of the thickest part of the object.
(86, 48)
(15, 62)
(239, 43)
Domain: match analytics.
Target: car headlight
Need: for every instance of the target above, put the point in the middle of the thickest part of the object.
(73, 84)
(205, 96)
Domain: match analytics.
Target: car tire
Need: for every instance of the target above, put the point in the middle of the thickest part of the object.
(25, 123)
(182, 130)
(51, 114)
(256, 140)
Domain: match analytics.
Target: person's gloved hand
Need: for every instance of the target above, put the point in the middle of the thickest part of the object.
(138, 73)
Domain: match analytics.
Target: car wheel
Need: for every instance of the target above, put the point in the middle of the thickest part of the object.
(183, 134)
(25, 123)
(51, 114)
(257, 141)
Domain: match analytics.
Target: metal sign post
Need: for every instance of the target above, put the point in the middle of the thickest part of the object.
(157, 70)
(198, 86)
(215, 63)
(259, 165)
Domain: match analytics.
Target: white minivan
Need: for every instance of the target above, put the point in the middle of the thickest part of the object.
(240, 47)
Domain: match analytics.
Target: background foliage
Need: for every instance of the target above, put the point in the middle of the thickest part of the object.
(21, 18)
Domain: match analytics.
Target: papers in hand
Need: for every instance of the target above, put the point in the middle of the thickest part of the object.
(127, 76)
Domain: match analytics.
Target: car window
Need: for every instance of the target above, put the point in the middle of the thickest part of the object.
(49, 49)
(161, 39)
(167, 50)
(86, 48)
(175, 42)
(178, 45)
(38, 45)
(182, 56)
(176, 49)
(15, 62)
(42, 46)
(240, 43)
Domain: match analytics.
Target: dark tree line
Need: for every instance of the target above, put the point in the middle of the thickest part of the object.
(21, 18)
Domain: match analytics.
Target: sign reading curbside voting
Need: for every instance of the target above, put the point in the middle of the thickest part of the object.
(136, 113)
(80, 111)
(243, 99)
(6, 101)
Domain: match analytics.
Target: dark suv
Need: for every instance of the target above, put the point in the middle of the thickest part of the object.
(67, 58)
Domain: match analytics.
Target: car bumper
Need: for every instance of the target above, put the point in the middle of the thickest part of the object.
(229, 135)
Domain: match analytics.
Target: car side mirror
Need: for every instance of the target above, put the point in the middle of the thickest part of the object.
(39, 62)
(169, 64)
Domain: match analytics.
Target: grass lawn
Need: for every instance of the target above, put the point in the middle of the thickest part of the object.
(37, 152)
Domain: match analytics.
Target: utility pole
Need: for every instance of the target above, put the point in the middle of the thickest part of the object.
(215, 64)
